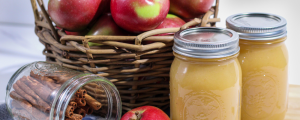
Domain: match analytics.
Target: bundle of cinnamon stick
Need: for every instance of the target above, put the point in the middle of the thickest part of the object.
(33, 95)
(80, 105)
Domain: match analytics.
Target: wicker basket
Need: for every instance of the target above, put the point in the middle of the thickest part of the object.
(140, 72)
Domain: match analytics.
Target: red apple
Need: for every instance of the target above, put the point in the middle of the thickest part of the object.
(190, 8)
(171, 21)
(79, 33)
(75, 15)
(145, 113)
(105, 4)
(105, 25)
(75, 33)
(139, 15)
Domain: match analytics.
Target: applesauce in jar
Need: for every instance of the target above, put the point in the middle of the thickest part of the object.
(264, 62)
(205, 76)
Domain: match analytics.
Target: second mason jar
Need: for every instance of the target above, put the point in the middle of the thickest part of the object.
(264, 62)
(205, 75)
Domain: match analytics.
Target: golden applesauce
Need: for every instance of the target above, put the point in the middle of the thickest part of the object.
(205, 76)
(265, 84)
(205, 89)
(264, 62)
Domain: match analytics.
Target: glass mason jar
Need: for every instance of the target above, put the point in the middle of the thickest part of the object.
(205, 76)
(264, 61)
(44, 91)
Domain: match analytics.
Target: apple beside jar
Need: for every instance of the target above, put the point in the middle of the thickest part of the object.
(213, 77)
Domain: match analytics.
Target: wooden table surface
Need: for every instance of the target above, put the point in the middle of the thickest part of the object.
(293, 112)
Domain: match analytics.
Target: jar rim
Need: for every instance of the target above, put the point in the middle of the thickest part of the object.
(179, 56)
(257, 26)
(221, 43)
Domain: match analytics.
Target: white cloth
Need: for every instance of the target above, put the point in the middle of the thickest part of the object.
(4, 113)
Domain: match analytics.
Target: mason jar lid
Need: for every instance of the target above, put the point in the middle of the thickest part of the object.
(257, 26)
(206, 42)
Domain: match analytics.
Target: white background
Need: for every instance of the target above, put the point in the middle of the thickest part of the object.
(19, 44)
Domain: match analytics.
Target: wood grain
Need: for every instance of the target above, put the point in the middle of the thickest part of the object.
(293, 112)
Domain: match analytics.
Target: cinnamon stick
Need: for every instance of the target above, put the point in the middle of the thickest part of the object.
(80, 101)
(14, 95)
(42, 91)
(77, 93)
(77, 117)
(41, 104)
(61, 76)
(27, 106)
(92, 102)
(48, 82)
(95, 90)
(23, 94)
(69, 111)
(87, 109)
(81, 93)
(80, 111)
(74, 104)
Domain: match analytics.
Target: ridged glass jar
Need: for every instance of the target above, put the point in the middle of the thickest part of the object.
(44, 91)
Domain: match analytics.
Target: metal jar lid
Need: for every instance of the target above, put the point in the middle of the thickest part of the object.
(257, 26)
(206, 42)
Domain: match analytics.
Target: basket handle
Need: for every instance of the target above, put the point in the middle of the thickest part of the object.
(139, 38)
(206, 19)
(217, 8)
(35, 10)
(203, 22)
(191, 23)
(41, 5)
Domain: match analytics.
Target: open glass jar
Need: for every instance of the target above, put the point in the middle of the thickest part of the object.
(44, 91)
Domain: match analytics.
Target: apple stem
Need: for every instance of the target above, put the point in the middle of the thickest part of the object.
(138, 115)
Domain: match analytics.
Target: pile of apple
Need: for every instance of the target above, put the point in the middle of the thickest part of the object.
(123, 17)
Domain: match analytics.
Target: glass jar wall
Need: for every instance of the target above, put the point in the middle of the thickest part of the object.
(44, 91)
